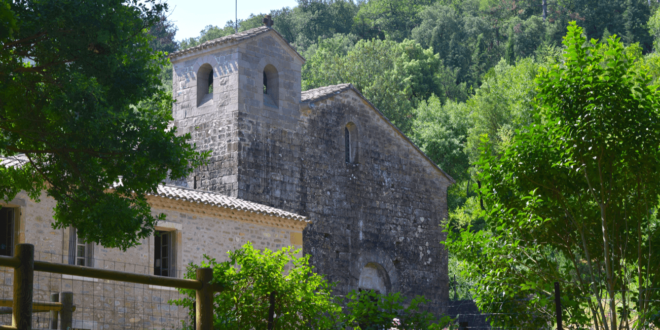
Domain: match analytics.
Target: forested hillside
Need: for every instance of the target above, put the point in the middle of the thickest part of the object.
(458, 77)
(435, 68)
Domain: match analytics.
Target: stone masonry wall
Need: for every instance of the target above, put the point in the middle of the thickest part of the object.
(385, 210)
(382, 214)
(200, 229)
(212, 125)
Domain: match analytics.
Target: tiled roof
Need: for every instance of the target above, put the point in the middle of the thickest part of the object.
(13, 161)
(193, 196)
(247, 34)
(219, 200)
(321, 93)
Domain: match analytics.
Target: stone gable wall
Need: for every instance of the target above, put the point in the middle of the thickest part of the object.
(385, 210)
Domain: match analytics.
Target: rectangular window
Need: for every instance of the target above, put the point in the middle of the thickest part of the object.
(7, 231)
(80, 253)
(163, 257)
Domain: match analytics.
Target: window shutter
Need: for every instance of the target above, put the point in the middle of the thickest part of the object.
(72, 245)
(173, 255)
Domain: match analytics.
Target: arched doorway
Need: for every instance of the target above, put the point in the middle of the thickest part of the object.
(374, 277)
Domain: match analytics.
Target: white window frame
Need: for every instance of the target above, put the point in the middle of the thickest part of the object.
(75, 246)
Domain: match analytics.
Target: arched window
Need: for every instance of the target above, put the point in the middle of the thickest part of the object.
(351, 143)
(204, 84)
(271, 86)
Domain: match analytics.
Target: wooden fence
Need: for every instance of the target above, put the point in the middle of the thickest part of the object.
(24, 267)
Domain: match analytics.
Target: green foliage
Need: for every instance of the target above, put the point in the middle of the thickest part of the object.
(441, 132)
(303, 298)
(394, 18)
(509, 53)
(73, 80)
(572, 198)
(502, 104)
(395, 76)
(654, 29)
(163, 32)
(369, 310)
(210, 32)
(636, 16)
(7, 21)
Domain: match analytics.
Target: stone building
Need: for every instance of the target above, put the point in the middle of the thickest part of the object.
(197, 223)
(376, 202)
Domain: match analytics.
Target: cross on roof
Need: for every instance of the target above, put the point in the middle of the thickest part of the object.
(267, 21)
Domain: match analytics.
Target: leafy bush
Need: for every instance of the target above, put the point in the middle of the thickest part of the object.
(303, 299)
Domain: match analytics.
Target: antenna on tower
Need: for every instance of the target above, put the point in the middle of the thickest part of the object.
(236, 18)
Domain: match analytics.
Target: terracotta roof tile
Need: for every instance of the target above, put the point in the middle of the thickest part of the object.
(13, 161)
(193, 196)
(220, 200)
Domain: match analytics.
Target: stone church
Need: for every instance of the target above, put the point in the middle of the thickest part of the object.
(375, 201)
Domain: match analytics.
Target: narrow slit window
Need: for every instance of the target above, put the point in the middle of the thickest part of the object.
(347, 144)
(7, 231)
(351, 143)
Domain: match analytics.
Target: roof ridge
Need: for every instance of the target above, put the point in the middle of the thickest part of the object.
(240, 36)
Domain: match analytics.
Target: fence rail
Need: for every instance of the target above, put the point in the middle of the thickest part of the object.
(24, 267)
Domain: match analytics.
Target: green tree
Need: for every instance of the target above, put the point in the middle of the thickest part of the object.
(370, 310)
(573, 198)
(7, 21)
(210, 32)
(503, 104)
(510, 54)
(163, 33)
(395, 18)
(441, 132)
(303, 299)
(80, 103)
(636, 17)
(395, 76)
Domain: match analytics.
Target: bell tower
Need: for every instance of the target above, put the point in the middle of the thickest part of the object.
(224, 88)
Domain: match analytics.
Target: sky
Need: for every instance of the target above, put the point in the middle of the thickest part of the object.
(191, 16)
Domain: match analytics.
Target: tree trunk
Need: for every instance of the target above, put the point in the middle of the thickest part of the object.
(545, 9)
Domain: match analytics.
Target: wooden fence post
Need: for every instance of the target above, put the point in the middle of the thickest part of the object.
(66, 315)
(204, 302)
(23, 280)
(558, 306)
(271, 311)
(54, 297)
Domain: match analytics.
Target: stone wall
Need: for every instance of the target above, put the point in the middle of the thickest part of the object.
(200, 229)
(383, 212)
(212, 125)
